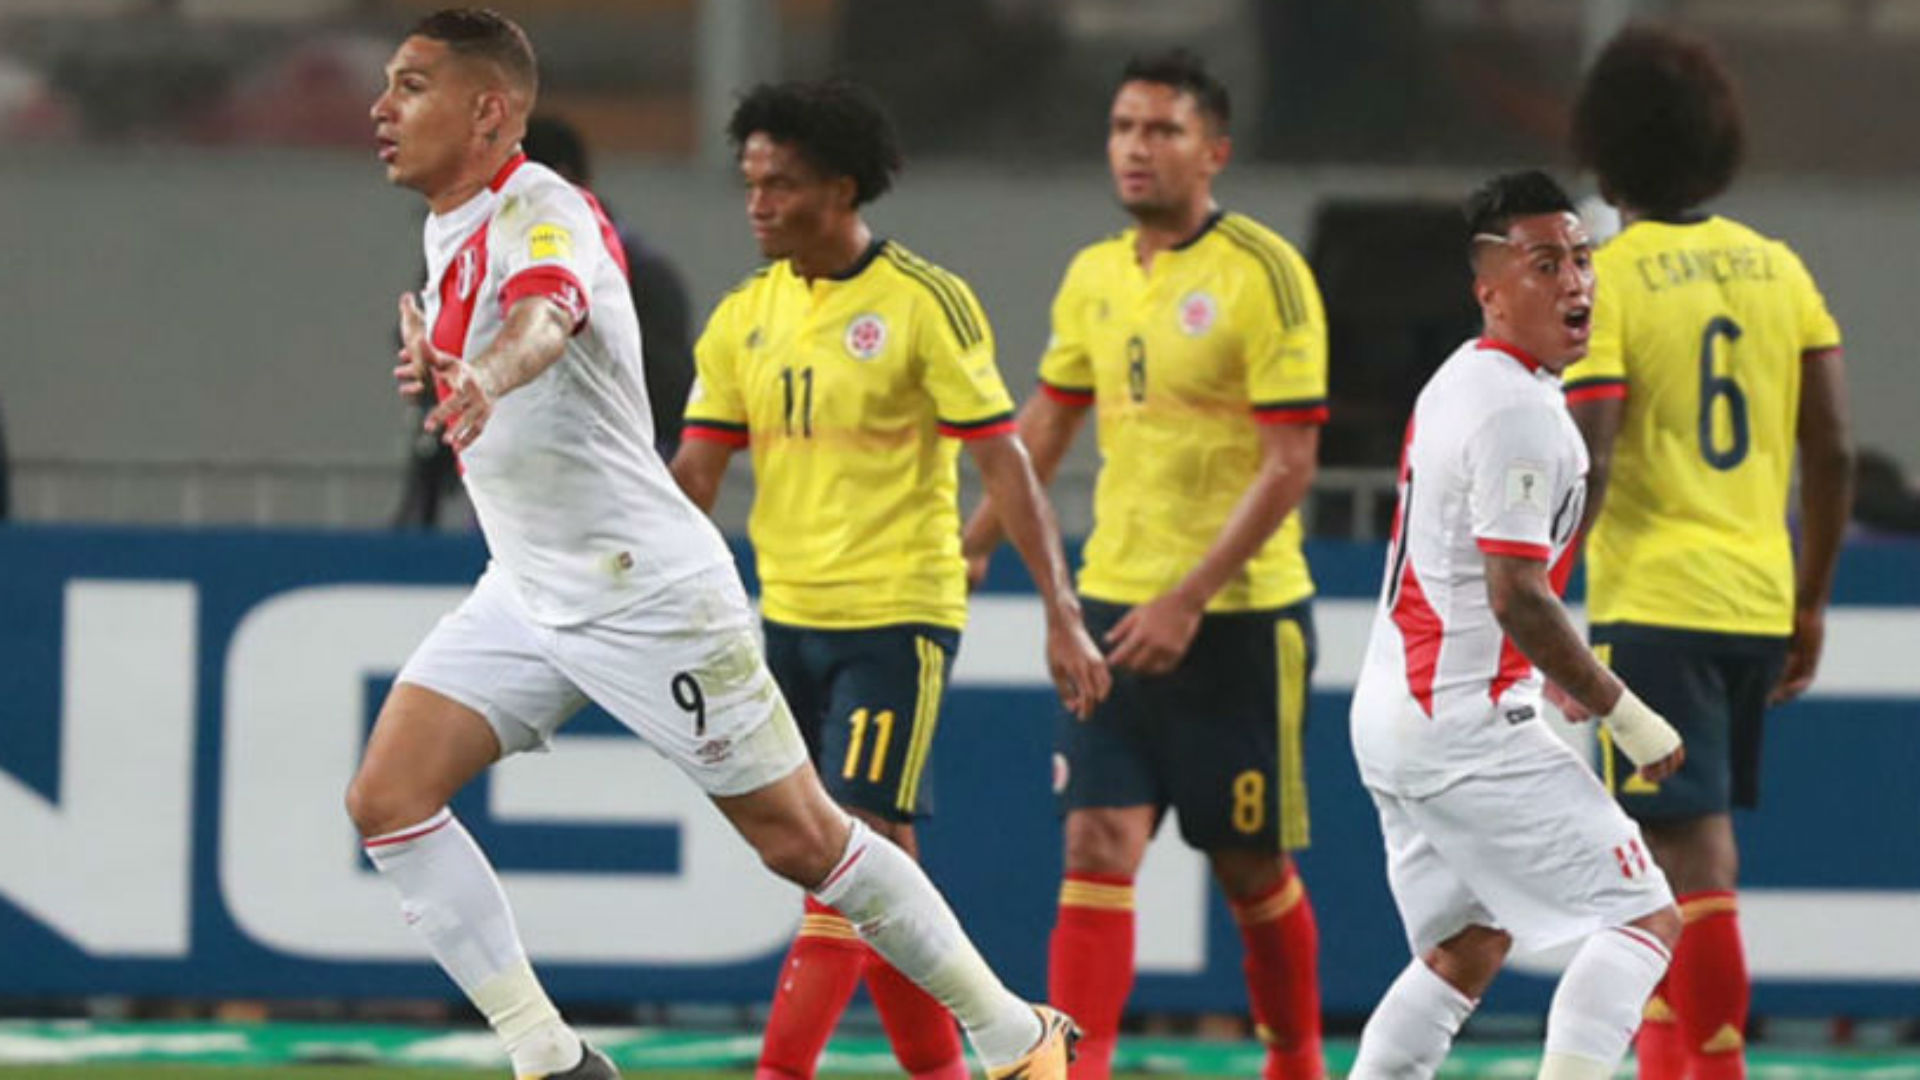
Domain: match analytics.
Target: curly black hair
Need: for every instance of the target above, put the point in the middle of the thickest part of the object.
(838, 126)
(1659, 121)
(1183, 70)
(1493, 206)
(484, 34)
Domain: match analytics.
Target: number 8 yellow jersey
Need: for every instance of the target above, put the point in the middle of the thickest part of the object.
(1700, 327)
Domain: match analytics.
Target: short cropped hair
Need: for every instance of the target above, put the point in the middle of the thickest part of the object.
(1494, 205)
(837, 126)
(484, 34)
(1659, 121)
(1183, 70)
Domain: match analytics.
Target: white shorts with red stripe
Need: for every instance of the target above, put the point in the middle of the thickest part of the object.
(1537, 849)
(688, 677)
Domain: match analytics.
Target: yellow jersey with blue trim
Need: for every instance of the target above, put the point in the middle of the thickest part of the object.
(1700, 327)
(852, 394)
(1182, 359)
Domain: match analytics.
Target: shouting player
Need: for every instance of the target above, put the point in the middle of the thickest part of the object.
(1198, 336)
(1497, 833)
(605, 584)
(1713, 356)
(854, 370)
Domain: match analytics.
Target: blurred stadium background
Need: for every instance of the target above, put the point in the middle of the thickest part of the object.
(201, 596)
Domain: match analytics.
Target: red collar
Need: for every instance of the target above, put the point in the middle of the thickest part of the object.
(500, 178)
(1515, 351)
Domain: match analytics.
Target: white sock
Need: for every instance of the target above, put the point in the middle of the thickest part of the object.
(450, 895)
(1412, 1028)
(1596, 1008)
(898, 911)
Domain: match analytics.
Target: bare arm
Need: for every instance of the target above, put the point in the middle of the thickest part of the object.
(533, 338)
(1153, 637)
(698, 467)
(1047, 429)
(1078, 670)
(1826, 501)
(1535, 620)
(1599, 422)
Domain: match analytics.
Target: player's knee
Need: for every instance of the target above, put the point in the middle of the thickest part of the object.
(1469, 960)
(1247, 874)
(378, 808)
(803, 853)
(1105, 842)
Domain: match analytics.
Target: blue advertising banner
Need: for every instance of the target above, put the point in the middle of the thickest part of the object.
(180, 713)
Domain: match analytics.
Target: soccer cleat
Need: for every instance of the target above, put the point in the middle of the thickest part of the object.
(1049, 1057)
(594, 1065)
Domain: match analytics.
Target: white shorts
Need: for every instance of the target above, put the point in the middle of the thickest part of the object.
(1543, 853)
(688, 677)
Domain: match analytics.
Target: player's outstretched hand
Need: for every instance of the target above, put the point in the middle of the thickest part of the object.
(1079, 671)
(1153, 638)
(1803, 656)
(413, 371)
(463, 413)
(977, 571)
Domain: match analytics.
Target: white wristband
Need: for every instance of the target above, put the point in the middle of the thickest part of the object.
(1640, 733)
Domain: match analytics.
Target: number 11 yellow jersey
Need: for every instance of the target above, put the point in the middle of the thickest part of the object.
(1700, 327)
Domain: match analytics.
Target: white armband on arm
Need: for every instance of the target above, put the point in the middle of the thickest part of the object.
(1640, 733)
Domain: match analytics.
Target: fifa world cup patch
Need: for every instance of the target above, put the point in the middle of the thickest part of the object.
(1527, 488)
(549, 241)
(866, 336)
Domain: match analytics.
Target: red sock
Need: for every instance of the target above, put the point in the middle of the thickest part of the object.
(925, 1042)
(1709, 988)
(1282, 945)
(820, 974)
(1090, 964)
(1659, 1048)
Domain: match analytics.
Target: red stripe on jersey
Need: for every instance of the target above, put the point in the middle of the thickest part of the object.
(1562, 569)
(694, 429)
(1066, 395)
(1600, 391)
(506, 172)
(460, 293)
(609, 235)
(1526, 358)
(998, 427)
(1516, 548)
(555, 283)
(1420, 633)
(1821, 352)
(1311, 414)
(1514, 666)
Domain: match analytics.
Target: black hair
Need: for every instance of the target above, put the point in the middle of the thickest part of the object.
(1183, 70)
(1493, 206)
(485, 34)
(1659, 121)
(555, 143)
(838, 126)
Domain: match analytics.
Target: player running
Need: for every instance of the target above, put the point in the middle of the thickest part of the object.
(605, 583)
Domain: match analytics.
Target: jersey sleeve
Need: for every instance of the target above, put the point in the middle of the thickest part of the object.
(1066, 368)
(545, 238)
(716, 406)
(1512, 483)
(1602, 373)
(1818, 329)
(1285, 330)
(955, 346)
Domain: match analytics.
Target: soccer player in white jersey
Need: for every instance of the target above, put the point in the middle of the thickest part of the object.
(1497, 833)
(605, 584)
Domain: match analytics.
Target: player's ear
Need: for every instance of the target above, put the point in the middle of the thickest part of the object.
(492, 113)
(1220, 151)
(846, 193)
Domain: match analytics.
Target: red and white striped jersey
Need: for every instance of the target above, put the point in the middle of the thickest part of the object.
(1493, 464)
(575, 504)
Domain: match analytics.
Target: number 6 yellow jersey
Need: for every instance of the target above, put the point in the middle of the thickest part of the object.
(1700, 327)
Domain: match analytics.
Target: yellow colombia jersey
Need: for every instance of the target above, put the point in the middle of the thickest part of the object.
(851, 392)
(1181, 361)
(1700, 327)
